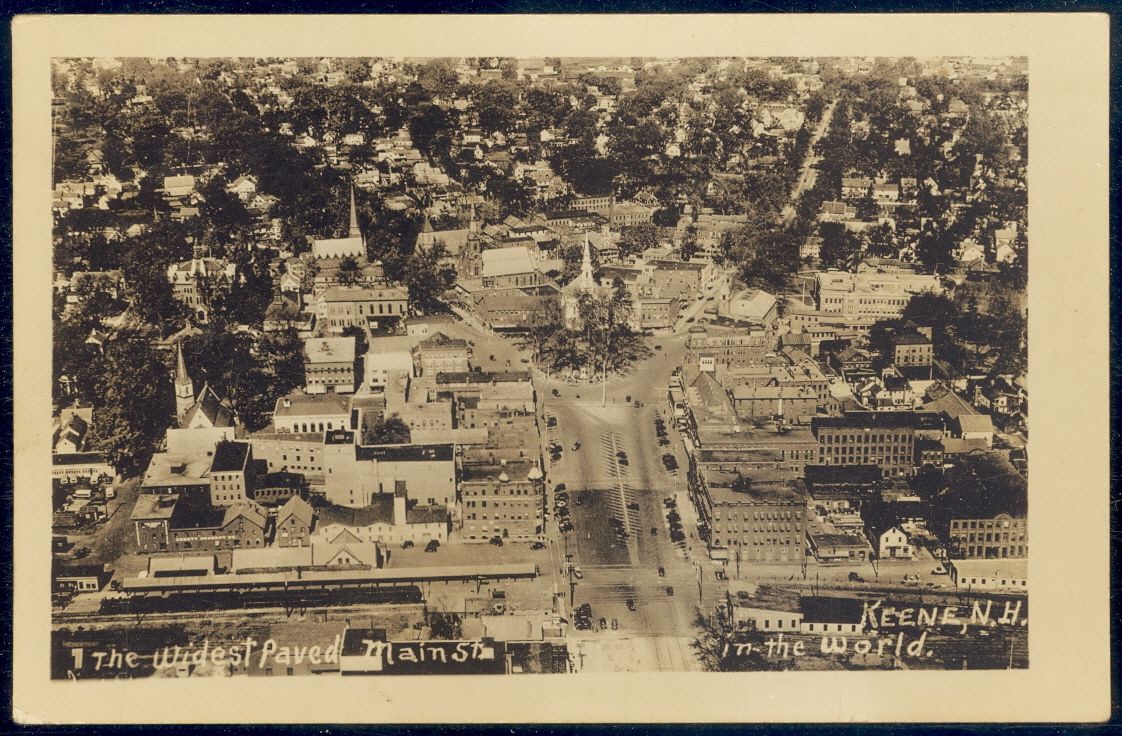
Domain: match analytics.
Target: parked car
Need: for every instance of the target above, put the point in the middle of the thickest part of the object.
(658, 347)
(537, 545)
(497, 541)
(661, 572)
(669, 590)
(603, 623)
(556, 393)
(407, 544)
(630, 604)
(576, 446)
(585, 609)
(615, 624)
(559, 488)
(638, 404)
(855, 578)
(551, 421)
(654, 531)
(432, 546)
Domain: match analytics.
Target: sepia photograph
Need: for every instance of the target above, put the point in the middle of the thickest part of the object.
(386, 365)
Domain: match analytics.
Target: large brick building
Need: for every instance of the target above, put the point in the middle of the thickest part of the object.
(502, 499)
(761, 521)
(885, 439)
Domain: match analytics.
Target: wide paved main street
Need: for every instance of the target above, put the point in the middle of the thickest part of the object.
(600, 486)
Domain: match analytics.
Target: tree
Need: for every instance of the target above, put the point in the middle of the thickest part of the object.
(689, 247)
(766, 258)
(359, 335)
(934, 247)
(391, 430)
(841, 248)
(866, 207)
(638, 238)
(428, 275)
(134, 404)
(882, 242)
(348, 272)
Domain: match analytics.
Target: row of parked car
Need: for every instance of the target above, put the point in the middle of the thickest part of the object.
(674, 519)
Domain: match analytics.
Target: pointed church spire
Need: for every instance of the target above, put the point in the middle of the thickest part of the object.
(184, 386)
(586, 276)
(180, 365)
(354, 232)
(427, 227)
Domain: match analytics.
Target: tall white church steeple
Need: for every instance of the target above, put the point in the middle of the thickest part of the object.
(184, 386)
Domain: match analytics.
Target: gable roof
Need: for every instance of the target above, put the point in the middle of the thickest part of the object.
(209, 411)
(297, 507)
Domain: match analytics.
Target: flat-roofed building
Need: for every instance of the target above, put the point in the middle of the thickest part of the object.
(329, 365)
(707, 350)
(752, 519)
(503, 499)
(353, 474)
(1001, 575)
(312, 413)
(870, 295)
(885, 439)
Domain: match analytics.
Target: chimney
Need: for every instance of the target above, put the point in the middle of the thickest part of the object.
(399, 518)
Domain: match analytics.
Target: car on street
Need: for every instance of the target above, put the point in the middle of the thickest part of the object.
(630, 604)
(623, 460)
(407, 544)
(669, 502)
(855, 578)
(556, 393)
(654, 531)
(585, 609)
(576, 446)
(669, 590)
(432, 546)
(537, 545)
(497, 541)
(603, 623)
(551, 421)
(658, 347)
(559, 488)
(566, 526)
(491, 357)
(638, 404)
(615, 624)
(627, 399)
(661, 572)
(663, 442)
(938, 571)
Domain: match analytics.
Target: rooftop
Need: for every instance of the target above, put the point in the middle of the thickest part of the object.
(306, 405)
(391, 453)
(330, 350)
(831, 609)
(881, 420)
(229, 457)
